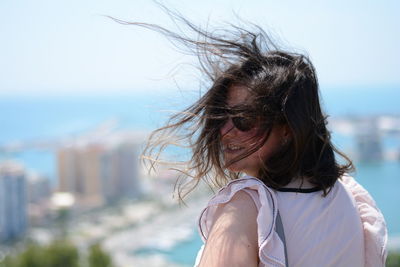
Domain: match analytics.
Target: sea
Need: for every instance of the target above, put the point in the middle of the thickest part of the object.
(40, 118)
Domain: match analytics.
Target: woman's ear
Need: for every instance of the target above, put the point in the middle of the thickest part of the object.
(286, 134)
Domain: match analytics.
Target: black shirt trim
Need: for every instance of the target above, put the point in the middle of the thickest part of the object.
(299, 190)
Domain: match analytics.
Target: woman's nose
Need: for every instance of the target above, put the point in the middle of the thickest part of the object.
(227, 127)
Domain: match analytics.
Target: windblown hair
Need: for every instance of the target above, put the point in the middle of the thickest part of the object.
(284, 90)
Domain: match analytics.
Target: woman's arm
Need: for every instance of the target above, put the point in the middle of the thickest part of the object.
(233, 236)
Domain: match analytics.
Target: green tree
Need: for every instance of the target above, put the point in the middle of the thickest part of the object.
(393, 259)
(8, 262)
(61, 253)
(98, 257)
(31, 257)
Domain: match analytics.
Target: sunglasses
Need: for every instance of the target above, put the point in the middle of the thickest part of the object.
(243, 119)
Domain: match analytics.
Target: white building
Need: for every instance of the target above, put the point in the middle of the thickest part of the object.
(13, 203)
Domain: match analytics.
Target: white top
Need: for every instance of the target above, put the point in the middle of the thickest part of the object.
(345, 228)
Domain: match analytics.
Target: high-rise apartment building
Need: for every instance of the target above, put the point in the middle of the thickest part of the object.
(98, 173)
(69, 171)
(13, 203)
(78, 173)
(119, 172)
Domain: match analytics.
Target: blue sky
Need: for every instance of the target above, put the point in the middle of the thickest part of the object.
(68, 47)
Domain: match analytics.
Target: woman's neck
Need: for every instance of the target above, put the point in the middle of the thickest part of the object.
(299, 183)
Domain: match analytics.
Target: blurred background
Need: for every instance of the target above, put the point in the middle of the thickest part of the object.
(79, 93)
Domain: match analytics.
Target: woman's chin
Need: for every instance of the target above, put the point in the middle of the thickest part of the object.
(235, 167)
(238, 168)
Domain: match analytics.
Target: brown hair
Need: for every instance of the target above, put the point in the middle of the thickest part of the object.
(285, 90)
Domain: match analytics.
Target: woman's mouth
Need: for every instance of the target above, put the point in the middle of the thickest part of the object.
(232, 148)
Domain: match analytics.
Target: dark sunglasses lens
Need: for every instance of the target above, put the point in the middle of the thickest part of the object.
(243, 124)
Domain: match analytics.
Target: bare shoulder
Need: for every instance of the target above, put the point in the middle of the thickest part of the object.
(233, 236)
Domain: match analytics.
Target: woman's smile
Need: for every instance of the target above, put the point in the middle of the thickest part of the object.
(232, 148)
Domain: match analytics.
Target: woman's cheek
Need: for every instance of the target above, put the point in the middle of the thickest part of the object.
(249, 136)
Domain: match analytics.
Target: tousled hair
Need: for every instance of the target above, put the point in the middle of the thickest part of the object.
(284, 90)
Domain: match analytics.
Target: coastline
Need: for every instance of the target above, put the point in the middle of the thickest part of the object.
(160, 233)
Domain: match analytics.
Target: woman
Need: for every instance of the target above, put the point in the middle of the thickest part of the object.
(259, 133)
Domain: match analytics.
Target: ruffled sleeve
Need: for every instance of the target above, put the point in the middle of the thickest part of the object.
(271, 248)
(374, 226)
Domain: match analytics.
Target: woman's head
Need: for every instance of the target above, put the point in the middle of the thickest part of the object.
(261, 114)
(275, 96)
(245, 129)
